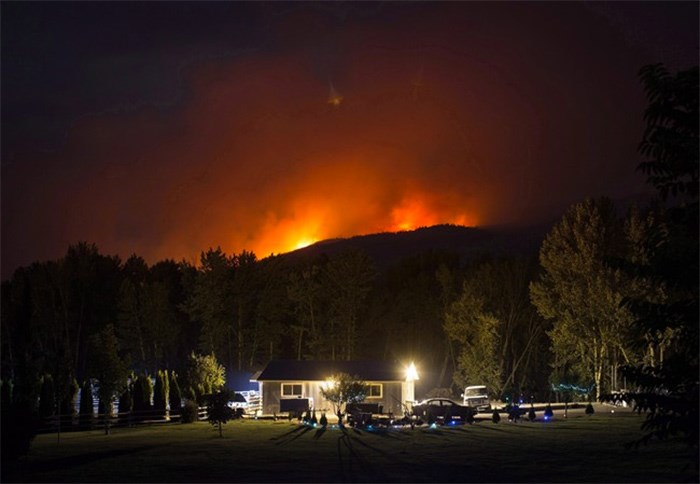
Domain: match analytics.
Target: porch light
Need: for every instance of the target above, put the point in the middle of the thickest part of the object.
(411, 373)
(328, 384)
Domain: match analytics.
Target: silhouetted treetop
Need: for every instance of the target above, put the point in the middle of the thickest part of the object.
(671, 137)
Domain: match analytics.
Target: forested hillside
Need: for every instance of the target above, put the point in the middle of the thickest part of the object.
(377, 296)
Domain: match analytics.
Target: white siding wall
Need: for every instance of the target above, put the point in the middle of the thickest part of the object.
(393, 395)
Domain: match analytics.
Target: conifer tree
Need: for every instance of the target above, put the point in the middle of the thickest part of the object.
(108, 368)
(143, 389)
(47, 401)
(137, 395)
(126, 402)
(67, 405)
(160, 393)
(174, 394)
(86, 405)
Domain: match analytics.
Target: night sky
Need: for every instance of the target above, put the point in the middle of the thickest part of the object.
(164, 129)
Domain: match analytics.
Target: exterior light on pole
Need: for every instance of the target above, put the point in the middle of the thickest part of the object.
(412, 373)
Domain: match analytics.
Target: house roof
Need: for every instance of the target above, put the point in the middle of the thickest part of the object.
(317, 370)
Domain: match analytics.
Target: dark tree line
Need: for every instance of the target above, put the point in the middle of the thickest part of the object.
(242, 310)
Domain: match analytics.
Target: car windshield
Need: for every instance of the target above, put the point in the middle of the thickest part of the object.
(475, 392)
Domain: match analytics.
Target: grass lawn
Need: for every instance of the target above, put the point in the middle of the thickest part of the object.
(578, 449)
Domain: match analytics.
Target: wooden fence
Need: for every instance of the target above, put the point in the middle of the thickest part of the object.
(76, 422)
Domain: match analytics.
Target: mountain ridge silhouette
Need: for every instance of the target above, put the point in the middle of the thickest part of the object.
(388, 248)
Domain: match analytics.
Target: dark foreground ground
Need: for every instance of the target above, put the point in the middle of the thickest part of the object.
(578, 449)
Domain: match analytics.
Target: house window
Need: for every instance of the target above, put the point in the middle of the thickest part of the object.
(375, 390)
(291, 390)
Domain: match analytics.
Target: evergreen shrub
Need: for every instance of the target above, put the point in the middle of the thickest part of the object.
(190, 412)
(86, 409)
(174, 394)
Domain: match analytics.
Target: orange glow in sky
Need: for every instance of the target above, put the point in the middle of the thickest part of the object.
(411, 214)
(319, 220)
(352, 195)
(304, 243)
(430, 124)
(288, 235)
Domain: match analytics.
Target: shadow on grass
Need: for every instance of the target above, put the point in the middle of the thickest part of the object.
(292, 435)
(437, 432)
(493, 427)
(368, 446)
(319, 433)
(391, 434)
(67, 462)
(346, 441)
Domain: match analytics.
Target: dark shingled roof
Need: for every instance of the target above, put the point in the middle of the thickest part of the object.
(294, 370)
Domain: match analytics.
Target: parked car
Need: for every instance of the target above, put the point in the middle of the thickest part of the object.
(443, 410)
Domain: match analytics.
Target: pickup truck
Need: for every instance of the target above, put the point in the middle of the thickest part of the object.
(477, 397)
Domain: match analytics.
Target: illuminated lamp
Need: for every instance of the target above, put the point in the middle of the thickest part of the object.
(412, 373)
(328, 384)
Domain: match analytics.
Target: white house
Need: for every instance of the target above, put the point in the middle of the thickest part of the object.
(291, 385)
